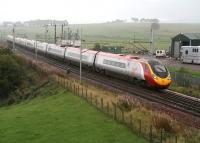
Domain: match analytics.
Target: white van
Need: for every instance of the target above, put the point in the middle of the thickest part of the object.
(160, 53)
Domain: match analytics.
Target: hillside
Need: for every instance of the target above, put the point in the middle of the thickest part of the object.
(58, 116)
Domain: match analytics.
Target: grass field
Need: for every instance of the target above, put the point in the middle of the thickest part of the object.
(114, 33)
(58, 116)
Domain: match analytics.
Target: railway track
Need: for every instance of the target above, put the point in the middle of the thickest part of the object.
(168, 98)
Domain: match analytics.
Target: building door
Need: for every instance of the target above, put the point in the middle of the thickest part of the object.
(176, 49)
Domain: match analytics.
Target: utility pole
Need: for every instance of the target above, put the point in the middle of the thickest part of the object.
(55, 40)
(81, 58)
(13, 37)
(62, 31)
(36, 50)
(154, 26)
(152, 42)
(46, 32)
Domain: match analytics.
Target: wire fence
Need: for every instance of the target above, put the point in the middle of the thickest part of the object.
(185, 80)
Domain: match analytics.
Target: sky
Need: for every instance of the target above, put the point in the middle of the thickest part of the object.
(97, 11)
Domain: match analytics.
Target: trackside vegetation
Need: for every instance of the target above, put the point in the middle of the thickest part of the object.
(17, 78)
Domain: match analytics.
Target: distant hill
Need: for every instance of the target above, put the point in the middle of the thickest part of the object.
(35, 22)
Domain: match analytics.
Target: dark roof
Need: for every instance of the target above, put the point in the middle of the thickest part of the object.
(192, 36)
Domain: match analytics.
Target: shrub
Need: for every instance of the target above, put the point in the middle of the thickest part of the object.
(162, 123)
(11, 73)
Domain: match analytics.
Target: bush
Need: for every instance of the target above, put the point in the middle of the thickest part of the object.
(11, 73)
(162, 123)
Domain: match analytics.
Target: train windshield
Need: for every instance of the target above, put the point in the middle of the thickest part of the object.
(158, 69)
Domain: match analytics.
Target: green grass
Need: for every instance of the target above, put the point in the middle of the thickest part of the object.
(185, 70)
(57, 116)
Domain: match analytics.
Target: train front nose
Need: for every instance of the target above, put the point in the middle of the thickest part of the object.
(163, 82)
(160, 74)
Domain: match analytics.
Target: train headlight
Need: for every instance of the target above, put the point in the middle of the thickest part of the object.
(154, 76)
(169, 78)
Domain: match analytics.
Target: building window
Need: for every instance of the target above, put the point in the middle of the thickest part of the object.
(186, 52)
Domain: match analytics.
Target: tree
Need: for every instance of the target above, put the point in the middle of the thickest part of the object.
(11, 73)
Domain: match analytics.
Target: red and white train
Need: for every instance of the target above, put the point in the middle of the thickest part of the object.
(149, 71)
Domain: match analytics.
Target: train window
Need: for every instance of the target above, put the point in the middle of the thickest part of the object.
(186, 52)
(113, 63)
(75, 55)
(197, 50)
(158, 69)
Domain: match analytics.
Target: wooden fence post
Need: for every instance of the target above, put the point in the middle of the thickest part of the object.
(108, 108)
(161, 136)
(150, 135)
(140, 126)
(131, 121)
(176, 139)
(78, 90)
(91, 98)
(101, 103)
(122, 115)
(115, 111)
(86, 94)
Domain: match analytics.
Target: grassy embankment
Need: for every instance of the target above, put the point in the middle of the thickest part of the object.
(58, 116)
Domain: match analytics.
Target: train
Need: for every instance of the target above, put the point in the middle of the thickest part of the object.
(150, 72)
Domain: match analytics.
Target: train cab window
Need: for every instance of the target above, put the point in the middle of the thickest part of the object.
(186, 52)
(158, 69)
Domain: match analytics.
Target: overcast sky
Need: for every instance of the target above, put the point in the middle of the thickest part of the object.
(93, 11)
